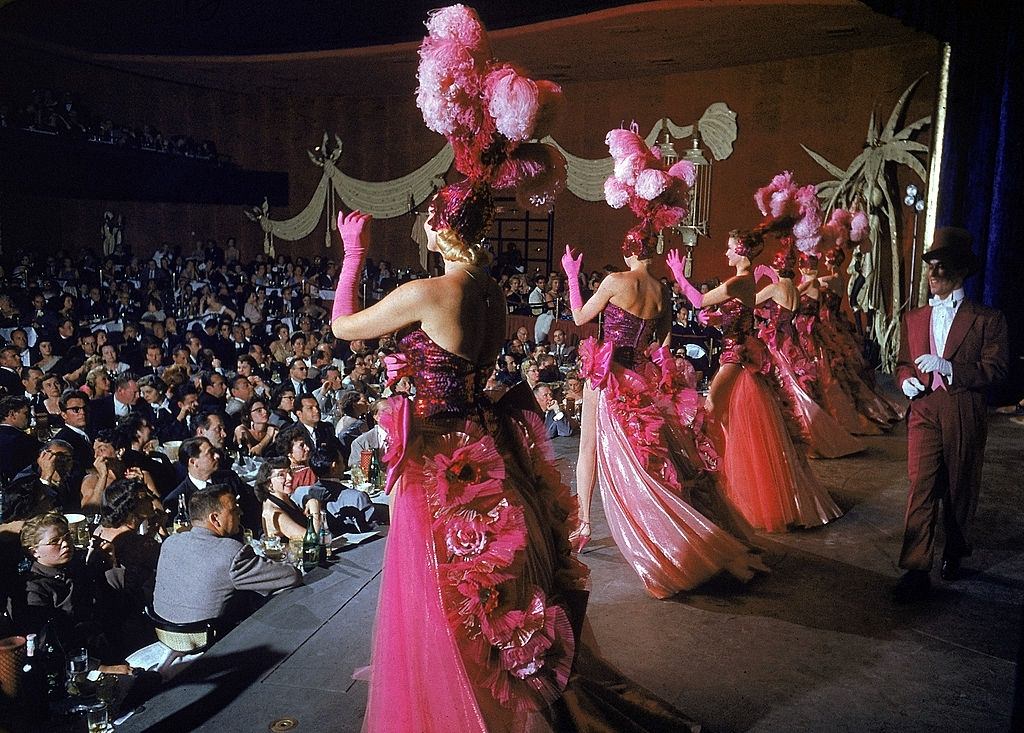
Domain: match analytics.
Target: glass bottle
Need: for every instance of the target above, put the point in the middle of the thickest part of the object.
(182, 522)
(33, 680)
(326, 536)
(310, 546)
(376, 472)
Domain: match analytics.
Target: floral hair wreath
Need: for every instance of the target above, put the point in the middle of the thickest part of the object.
(658, 195)
(488, 110)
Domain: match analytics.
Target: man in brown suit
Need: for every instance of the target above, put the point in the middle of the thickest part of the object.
(951, 351)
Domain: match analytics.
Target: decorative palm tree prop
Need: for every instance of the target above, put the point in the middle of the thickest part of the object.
(869, 183)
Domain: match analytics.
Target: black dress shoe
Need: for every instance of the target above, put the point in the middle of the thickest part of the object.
(950, 569)
(913, 587)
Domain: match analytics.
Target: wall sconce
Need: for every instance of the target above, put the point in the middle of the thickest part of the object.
(696, 222)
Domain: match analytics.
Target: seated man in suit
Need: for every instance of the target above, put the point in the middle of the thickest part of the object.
(17, 449)
(555, 421)
(202, 465)
(321, 433)
(42, 486)
(207, 574)
(73, 406)
(105, 412)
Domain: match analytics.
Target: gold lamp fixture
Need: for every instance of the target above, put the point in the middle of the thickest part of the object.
(696, 222)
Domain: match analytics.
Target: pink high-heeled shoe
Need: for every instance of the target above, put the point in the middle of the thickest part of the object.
(579, 539)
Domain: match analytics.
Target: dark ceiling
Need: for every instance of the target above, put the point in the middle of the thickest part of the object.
(243, 27)
(308, 48)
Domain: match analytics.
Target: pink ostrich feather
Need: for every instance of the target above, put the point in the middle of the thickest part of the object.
(623, 143)
(513, 101)
(776, 195)
(858, 226)
(684, 170)
(651, 183)
(616, 193)
(627, 169)
(667, 216)
(458, 23)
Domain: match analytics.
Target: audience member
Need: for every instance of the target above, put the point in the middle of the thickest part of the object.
(207, 574)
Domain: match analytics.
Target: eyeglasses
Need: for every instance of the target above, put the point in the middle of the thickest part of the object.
(64, 539)
(75, 409)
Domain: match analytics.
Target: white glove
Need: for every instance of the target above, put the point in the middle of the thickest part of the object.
(912, 387)
(933, 363)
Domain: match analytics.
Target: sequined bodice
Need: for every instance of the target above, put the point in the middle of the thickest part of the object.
(808, 306)
(777, 322)
(737, 320)
(628, 333)
(445, 383)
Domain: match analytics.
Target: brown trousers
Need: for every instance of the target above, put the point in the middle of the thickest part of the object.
(946, 436)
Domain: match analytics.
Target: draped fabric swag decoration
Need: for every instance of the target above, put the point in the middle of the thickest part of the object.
(389, 199)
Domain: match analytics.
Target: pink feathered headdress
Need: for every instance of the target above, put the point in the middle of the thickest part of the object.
(658, 195)
(487, 110)
(787, 206)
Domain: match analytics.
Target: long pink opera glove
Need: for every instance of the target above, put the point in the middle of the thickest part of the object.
(355, 240)
(765, 271)
(572, 266)
(676, 264)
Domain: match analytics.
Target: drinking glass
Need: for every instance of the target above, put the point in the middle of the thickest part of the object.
(273, 548)
(295, 552)
(98, 718)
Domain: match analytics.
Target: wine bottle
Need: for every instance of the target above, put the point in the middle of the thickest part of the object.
(377, 472)
(326, 536)
(33, 681)
(310, 546)
(182, 523)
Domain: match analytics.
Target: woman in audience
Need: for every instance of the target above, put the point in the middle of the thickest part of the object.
(111, 362)
(65, 600)
(274, 488)
(281, 347)
(53, 385)
(255, 432)
(97, 383)
(126, 547)
(47, 359)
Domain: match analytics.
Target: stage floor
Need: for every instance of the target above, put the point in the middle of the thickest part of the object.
(817, 645)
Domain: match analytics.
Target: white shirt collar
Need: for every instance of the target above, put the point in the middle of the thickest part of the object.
(79, 431)
(953, 300)
(200, 483)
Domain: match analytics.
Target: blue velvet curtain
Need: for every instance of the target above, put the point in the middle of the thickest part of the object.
(983, 161)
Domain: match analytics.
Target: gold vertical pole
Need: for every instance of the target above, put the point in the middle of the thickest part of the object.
(934, 166)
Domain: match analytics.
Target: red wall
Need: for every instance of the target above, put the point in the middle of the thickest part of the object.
(823, 102)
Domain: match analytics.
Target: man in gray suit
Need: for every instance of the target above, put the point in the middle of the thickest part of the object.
(205, 574)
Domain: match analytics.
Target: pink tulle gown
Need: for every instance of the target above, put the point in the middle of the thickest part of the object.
(840, 337)
(654, 465)
(481, 601)
(766, 474)
(833, 389)
(796, 373)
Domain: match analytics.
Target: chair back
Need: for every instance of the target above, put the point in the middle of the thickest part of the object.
(190, 638)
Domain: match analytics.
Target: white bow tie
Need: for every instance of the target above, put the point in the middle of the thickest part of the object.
(947, 302)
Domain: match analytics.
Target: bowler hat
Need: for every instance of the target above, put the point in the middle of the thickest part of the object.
(952, 246)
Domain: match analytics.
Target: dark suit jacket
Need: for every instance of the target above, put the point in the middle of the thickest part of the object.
(557, 428)
(10, 382)
(100, 415)
(252, 510)
(81, 449)
(324, 433)
(17, 450)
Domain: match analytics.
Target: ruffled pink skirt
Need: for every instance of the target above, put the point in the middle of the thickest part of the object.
(766, 475)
